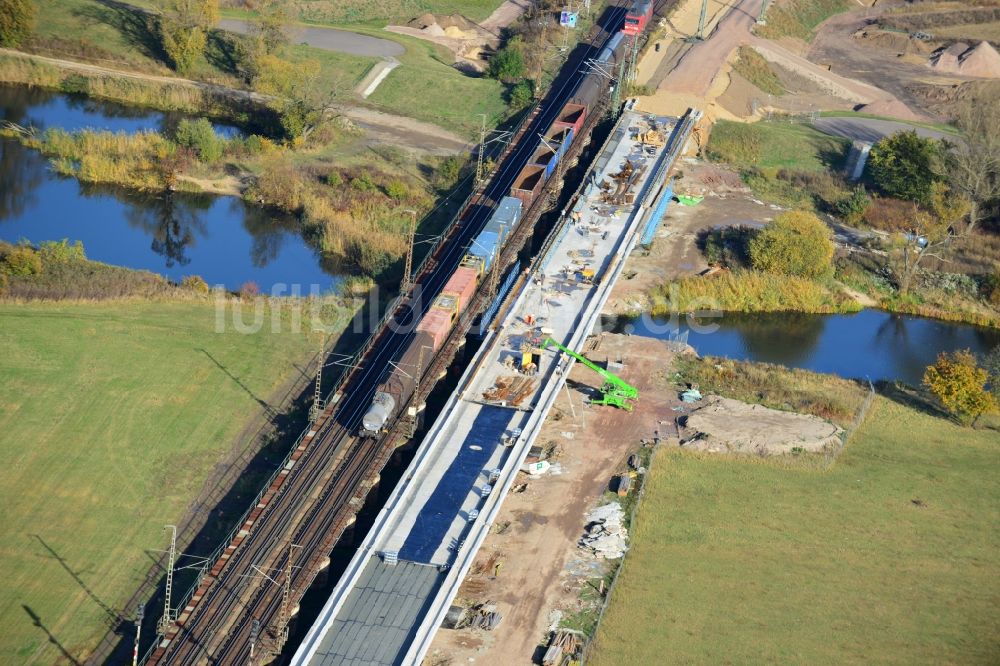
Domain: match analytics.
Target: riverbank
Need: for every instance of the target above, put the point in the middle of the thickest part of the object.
(345, 198)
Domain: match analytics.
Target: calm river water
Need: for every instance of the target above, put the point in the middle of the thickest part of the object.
(219, 238)
(873, 344)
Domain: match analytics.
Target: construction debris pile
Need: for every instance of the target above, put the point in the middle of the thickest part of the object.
(605, 535)
(509, 391)
(484, 616)
(620, 193)
(565, 646)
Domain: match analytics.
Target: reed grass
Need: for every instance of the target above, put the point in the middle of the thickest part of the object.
(750, 291)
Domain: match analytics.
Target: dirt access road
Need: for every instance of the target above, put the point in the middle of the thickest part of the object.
(382, 127)
(541, 569)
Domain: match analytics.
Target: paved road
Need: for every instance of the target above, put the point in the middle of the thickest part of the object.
(330, 39)
(871, 129)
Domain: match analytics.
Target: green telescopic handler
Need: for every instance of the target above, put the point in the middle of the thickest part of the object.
(615, 391)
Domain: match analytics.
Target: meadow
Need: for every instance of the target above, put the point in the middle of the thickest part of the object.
(889, 556)
(112, 417)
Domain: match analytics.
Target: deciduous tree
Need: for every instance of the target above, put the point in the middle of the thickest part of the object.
(507, 64)
(17, 19)
(960, 384)
(972, 164)
(184, 27)
(925, 235)
(795, 243)
(905, 165)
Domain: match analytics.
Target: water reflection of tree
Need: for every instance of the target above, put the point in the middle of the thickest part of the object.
(267, 232)
(21, 170)
(173, 220)
(788, 338)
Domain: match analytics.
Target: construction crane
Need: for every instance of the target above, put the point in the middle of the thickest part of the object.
(615, 391)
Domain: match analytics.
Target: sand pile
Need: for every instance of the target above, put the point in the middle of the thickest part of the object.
(981, 60)
(891, 108)
(455, 26)
(730, 426)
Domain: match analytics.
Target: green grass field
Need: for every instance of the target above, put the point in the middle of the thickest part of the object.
(111, 418)
(457, 99)
(776, 145)
(890, 556)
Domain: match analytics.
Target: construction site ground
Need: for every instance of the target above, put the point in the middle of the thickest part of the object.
(534, 541)
(851, 63)
(674, 253)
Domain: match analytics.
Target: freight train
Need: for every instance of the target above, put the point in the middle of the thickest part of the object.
(457, 294)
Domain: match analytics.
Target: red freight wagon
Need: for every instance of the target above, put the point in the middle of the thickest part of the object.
(573, 116)
(436, 323)
(528, 184)
(462, 285)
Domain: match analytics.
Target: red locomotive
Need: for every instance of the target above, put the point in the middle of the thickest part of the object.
(638, 16)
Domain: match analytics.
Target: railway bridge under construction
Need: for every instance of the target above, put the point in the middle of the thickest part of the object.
(239, 610)
(399, 586)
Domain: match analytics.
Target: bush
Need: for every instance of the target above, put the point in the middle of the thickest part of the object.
(727, 247)
(256, 144)
(397, 189)
(795, 243)
(522, 94)
(448, 173)
(890, 214)
(197, 284)
(507, 64)
(199, 136)
(334, 179)
(61, 251)
(363, 183)
(249, 290)
(853, 207)
(991, 287)
(21, 261)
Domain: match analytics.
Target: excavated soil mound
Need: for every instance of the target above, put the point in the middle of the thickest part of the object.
(724, 425)
(893, 41)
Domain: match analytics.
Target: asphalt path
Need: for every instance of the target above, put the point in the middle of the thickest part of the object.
(873, 129)
(329, 39)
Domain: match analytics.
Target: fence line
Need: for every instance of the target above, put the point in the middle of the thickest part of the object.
(640, 495)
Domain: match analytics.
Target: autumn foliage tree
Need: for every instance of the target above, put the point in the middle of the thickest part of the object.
(17, 18)
(960, 384)
(184, 27)
(795, 243)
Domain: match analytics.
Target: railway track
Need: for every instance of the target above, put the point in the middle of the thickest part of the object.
(314, 503)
